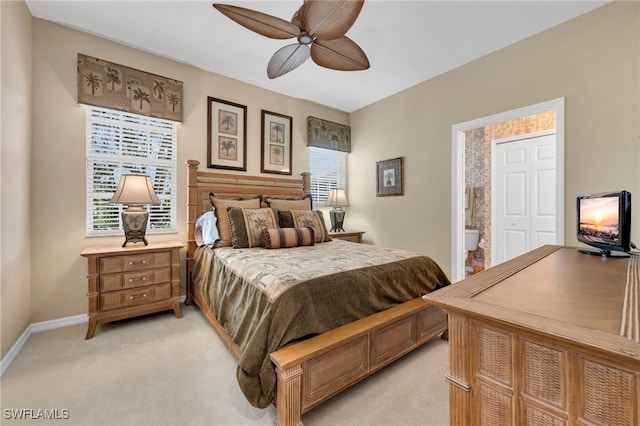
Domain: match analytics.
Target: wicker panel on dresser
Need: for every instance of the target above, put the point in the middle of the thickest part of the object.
(544, 339)
(129, 281)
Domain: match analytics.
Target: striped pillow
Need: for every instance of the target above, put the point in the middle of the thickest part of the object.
(274, 238)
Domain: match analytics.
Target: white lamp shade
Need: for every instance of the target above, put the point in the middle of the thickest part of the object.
(135, 189)
(337, 197)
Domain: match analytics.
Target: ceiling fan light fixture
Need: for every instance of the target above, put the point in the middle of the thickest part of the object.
(305, 38)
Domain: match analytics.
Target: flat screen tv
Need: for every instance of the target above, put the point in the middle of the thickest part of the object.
(604, 222)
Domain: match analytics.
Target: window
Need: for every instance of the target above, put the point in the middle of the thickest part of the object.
(328, 170)
(119, 142)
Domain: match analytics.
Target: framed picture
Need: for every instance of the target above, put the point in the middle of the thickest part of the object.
(226, 135)
(276, 143)
(389, 177)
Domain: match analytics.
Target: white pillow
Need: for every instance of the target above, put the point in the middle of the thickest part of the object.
(206, 231)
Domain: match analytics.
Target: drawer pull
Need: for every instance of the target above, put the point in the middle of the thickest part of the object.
(137, 295)
(139, 262)
(137, 279)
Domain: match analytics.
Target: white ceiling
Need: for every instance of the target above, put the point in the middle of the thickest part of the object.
(407, 42)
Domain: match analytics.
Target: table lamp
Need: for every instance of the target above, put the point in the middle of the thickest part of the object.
(338, 199)
(135, 190)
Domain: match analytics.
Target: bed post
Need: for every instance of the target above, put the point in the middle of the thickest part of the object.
(306, 182)
(192, 199)
(288, 396)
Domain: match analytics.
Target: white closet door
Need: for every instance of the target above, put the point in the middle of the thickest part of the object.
(525, 196)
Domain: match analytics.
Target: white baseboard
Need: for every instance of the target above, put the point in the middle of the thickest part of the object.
(42, 326)
(15, 350)
(58, 323)
(35, 328)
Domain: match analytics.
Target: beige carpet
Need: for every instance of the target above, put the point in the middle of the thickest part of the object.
(160, 370)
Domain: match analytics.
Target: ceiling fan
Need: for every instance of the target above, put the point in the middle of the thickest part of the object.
(320, 27)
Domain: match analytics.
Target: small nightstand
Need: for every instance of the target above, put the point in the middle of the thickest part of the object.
(125, 282)
(348, 235)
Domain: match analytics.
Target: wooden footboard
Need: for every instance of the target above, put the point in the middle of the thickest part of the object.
(314, 370)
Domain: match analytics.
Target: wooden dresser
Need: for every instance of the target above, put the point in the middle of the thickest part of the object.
(548, 338)
(129, 281)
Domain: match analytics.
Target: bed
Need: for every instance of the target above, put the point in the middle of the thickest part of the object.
(308, 361)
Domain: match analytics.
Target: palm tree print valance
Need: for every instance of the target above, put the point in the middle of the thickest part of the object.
(109, 85)
(326, 134)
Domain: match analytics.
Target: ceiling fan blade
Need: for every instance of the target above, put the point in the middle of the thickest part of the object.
(341, 54)
(261, 23)
(327, 20)
(287, 59)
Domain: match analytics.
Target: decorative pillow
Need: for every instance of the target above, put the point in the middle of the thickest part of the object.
(282, 204)
(206, 231)
(247, 224)
(224, 227)
(288, 237)
(304, 218)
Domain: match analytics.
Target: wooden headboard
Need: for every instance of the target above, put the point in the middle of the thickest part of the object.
(225, 185)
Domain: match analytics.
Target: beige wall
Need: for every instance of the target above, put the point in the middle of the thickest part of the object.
(592, 61)
(15, 121)
(58, 189)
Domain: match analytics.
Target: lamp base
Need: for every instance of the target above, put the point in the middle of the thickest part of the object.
(134, 221)
(337, 219)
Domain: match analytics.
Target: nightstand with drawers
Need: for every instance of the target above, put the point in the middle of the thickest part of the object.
(348, 235)
(125, 282)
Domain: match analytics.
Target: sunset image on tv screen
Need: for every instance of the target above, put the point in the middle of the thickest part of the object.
(599, 219)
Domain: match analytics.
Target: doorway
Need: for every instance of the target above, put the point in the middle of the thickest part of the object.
(461, 189)
(523, 201)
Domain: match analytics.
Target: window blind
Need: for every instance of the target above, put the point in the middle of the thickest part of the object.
(119, 142)
(328, 170)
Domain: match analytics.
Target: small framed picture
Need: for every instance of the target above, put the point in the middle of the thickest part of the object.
(276, 143)
(389, 177)
(226, 135)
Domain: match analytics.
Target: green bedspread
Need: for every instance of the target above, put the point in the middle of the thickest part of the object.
(266, 299)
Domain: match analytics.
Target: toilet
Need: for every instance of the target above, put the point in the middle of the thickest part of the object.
(471, 238)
